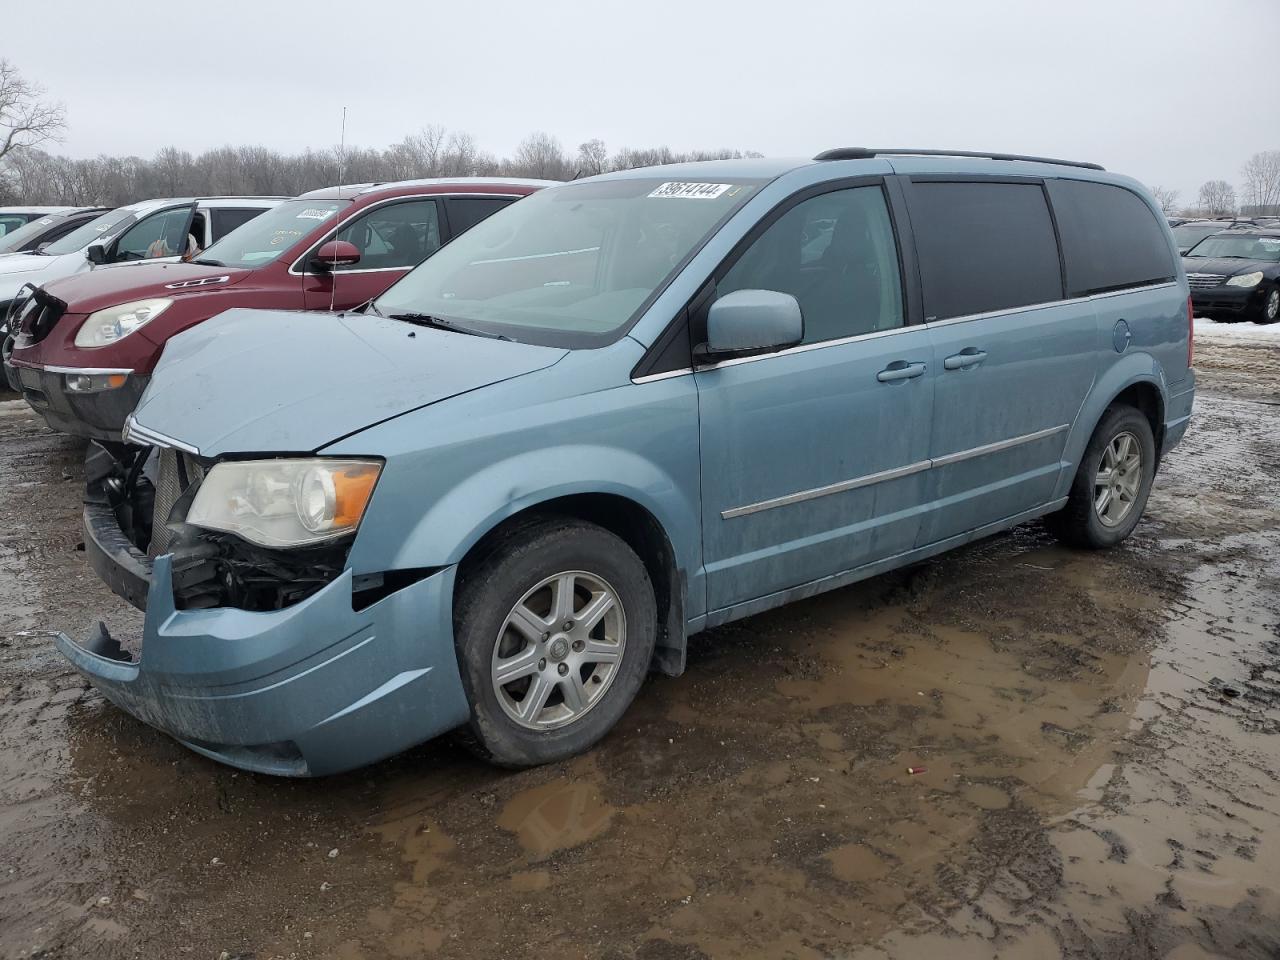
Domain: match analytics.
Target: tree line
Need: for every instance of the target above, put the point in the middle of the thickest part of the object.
(33, 176)
(1259, 192)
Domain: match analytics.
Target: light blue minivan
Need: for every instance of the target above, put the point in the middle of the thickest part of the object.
(616, 413)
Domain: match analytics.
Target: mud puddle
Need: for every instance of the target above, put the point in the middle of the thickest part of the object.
(1093, 739)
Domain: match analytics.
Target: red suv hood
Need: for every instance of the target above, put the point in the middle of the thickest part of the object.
(110, 286)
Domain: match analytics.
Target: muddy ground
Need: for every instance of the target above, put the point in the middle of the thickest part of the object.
(1100, 738)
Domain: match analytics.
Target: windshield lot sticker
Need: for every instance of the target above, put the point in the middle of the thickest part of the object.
(691, 191)
(310, 214)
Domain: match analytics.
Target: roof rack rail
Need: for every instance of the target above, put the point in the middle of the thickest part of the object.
(866, 153)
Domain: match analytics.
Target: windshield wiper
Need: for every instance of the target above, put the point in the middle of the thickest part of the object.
(209, 263)
(442, 323)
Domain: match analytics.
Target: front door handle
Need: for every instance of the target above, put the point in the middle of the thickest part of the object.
(968, 357)
(900, 370)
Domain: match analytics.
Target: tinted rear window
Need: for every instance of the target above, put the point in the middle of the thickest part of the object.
(984, 247)
(1110, 238)
(466, 212)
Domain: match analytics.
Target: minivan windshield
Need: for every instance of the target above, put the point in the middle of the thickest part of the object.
(107, 225)
(1241, 246)
(264, 238)
(570, 265)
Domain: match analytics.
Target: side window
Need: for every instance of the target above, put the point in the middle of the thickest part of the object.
(226, 219)
(984, 246)
(159, 235)
(1110, 238)
(836, 254)
(465, 212)
(398, 235)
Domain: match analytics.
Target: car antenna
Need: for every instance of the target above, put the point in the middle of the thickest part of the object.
(342, 164)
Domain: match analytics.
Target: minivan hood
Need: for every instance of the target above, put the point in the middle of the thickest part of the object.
(274, 381)
(99, 289)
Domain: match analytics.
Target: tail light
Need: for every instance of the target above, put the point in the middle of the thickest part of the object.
(1191, 334)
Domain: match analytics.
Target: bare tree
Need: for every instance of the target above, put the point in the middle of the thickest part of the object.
(26, 118)
(1168, 199)
(540, 155)
(593, 158)
(1261, 175)
(1217, 199)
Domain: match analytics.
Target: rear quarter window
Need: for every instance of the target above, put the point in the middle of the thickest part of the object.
(1111, 239)
(984, 246)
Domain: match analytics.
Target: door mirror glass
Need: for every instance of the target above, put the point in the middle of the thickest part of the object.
(96, 254)
(754, 320)
(335, 253)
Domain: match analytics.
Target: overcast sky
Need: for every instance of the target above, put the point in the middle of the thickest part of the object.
(1173, 92)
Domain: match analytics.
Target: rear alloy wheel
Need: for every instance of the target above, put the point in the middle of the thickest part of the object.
(1270, 311)
(1111, 486)
(555, 625)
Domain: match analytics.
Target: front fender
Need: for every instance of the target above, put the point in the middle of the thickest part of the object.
(1125, 372)
(461, 516)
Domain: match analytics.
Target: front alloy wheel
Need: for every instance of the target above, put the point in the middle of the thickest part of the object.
(1271, 307)
(555, 621)
(558, 650)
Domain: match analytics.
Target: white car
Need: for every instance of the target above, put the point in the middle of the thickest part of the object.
(148, 231)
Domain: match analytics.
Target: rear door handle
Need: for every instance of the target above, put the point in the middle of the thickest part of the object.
(900, 370)
(968, 357)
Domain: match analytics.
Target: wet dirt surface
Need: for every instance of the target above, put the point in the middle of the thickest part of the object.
(1096, 740)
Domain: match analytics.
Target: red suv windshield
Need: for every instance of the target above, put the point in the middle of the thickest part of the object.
(264, 238)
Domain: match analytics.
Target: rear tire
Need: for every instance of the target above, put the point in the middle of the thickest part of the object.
(1112, 484)
(555, 625)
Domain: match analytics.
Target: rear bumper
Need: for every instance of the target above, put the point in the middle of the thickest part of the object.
(1177, 414)
(314, 689)
(99, 415)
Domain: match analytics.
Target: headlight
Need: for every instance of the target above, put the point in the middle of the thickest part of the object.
(109, 325)
(1246, 280)
(285, 503)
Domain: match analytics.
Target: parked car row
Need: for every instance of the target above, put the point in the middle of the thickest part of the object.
(612, 414)
(84, 347)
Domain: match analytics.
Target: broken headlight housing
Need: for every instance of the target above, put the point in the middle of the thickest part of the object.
(286, 502)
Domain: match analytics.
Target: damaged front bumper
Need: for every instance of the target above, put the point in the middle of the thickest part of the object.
(312, 689)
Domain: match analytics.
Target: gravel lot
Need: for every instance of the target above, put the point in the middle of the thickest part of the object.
(1100, 738)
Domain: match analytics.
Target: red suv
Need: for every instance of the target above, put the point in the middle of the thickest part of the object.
(83, 347)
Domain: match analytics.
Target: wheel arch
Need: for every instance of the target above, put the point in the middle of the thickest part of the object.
(635, 525)
(1137, 380)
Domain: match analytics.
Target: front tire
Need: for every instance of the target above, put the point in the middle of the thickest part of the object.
(555, 626)
(1270, 311)
(1112, 484)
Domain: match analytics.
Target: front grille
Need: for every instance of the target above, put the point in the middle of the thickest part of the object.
(1204, 281)
(174, 475)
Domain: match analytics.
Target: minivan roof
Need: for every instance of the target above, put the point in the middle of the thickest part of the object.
(901, 159)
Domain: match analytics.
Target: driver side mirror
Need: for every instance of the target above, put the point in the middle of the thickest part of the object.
(96, 254)
(751, 320)
(335, 253)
